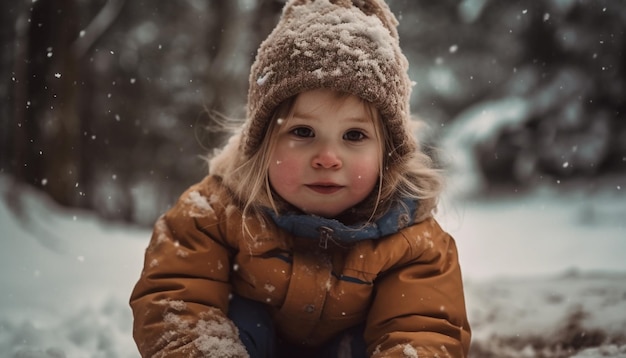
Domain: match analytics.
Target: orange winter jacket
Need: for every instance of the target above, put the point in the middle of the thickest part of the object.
(405, 286)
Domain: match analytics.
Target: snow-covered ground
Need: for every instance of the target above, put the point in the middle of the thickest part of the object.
(545, 275)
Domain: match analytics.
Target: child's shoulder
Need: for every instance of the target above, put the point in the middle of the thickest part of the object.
(427, 235)
(206, 198)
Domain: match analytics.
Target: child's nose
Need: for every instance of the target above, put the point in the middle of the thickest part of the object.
(327, 158)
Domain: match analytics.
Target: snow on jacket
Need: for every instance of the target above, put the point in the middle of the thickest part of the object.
(406, 285)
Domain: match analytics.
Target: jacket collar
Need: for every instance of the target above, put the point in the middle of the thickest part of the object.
(401, 215)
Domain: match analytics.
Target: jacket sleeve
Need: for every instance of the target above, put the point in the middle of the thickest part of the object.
(180, 300)
(419, 305)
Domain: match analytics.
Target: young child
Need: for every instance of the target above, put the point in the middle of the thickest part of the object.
(313, 234)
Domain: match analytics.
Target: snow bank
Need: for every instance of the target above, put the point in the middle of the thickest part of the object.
(66, 277)
(549, 316)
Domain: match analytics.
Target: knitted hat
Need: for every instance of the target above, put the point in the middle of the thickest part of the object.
(349, 46)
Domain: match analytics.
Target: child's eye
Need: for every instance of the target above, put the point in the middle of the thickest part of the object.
(303, 132)
(354, 135)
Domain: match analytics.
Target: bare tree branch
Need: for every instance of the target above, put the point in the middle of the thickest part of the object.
(97, 27)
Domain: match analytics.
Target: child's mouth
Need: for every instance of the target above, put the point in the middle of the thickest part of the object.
(325, 188)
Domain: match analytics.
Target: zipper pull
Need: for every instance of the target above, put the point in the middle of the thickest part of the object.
(326, 234)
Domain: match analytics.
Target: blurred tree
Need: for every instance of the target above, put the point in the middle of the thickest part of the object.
(9, 11)
(47, 145)
(572, 73)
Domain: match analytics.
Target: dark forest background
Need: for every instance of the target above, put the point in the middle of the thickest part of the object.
(104, 103)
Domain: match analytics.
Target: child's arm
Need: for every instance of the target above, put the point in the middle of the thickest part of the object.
(182, 294)
(419, 307)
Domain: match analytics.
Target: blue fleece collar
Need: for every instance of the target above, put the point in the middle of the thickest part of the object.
(314, 227)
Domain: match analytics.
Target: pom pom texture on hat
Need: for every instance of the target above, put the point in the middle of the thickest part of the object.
(348, 46)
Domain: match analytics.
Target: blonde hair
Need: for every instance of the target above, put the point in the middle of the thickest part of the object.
(411, 176)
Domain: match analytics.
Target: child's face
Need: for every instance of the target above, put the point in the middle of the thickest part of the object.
(327, 154)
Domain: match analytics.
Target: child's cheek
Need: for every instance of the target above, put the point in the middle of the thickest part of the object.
(285, 170)
(364, 176)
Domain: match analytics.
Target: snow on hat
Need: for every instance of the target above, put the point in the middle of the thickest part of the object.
(349, 46)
